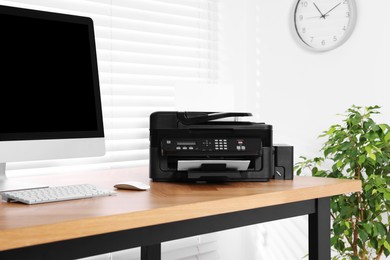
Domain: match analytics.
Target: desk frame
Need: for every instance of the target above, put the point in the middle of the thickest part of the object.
(150, 238)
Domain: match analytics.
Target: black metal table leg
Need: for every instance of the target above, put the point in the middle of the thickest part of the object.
(152, 252)
(319, 231)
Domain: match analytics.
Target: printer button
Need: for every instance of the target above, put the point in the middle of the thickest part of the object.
(178, 148)
(238, 148)
(242, 148)
(191, 148)
(184, 147)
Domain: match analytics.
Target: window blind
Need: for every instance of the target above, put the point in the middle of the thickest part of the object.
(145, 49)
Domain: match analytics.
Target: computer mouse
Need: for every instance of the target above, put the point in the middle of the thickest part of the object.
(132, 185)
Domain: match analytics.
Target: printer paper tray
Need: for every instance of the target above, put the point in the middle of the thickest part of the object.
(239, 165)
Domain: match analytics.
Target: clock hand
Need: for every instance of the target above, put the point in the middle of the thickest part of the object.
(322, 16)
(313, 17)
(332, 9)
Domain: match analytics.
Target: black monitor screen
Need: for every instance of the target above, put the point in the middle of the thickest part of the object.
(49, 81)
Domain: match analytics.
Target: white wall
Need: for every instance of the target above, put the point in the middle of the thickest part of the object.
(311, 88)
(297, 91)
(301, 92)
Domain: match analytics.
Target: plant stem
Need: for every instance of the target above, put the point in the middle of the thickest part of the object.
(364, 252)
(355, 238)
(359, 218)
(379, 254)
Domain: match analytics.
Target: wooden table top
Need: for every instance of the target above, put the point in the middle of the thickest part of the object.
(24, 225)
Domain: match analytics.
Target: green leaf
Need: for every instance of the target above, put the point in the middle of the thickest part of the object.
(331, 130)
(379, 181)
(375, 232)
(363, 235)
(377, 149)
(387, 195)
(374, 243)
(387, 245)
(333, 240)
(362, 159)
(384, 127)
(339, 164)
(346, 223)
(345, 146)
(387, 137)
(367, 228)
(338, 229)
(381, 228)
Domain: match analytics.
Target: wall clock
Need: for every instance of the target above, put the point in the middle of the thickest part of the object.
(323, 25)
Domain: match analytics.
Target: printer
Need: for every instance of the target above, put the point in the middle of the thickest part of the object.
(199, 147)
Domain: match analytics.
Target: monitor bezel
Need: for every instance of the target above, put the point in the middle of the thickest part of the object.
(45, 15)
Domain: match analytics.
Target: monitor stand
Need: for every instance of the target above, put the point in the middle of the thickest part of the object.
(9, 185)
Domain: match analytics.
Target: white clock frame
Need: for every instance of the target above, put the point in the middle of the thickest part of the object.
(346, 35)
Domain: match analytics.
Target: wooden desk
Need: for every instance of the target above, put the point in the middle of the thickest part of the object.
(167, 211)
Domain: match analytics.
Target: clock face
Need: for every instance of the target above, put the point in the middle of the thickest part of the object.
(323, 25)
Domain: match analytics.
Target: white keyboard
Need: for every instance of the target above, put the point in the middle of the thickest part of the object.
(53, 194)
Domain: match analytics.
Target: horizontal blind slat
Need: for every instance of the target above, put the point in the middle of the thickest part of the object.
(161, 71)
(152, 60)
(138, 101)
(121, 123)
(193, 3)
(136, 90)
(125, 112)
(130, 46)
(68, 6)
(120, 134)
(163, 7)
(123, 79)
(127, 145)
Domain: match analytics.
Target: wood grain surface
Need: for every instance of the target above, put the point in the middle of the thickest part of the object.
(23, 225)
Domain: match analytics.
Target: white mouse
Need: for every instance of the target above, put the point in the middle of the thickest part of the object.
(132, 185)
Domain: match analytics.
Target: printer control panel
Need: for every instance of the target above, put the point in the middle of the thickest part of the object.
(215, 145)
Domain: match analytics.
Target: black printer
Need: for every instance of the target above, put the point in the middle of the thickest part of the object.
(194, 147)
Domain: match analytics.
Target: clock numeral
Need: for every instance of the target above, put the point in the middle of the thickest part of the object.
(311, 39)
(344, 28)
(334, 38)
(303, 30)
(304, 4)
(300, 17)
(347, 14)
(323, 42)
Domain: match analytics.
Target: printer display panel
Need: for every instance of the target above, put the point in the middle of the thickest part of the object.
(247, 146)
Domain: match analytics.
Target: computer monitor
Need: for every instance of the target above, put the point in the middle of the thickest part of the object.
(50, 105)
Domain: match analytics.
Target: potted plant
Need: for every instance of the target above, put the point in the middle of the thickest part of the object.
(359, 148)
